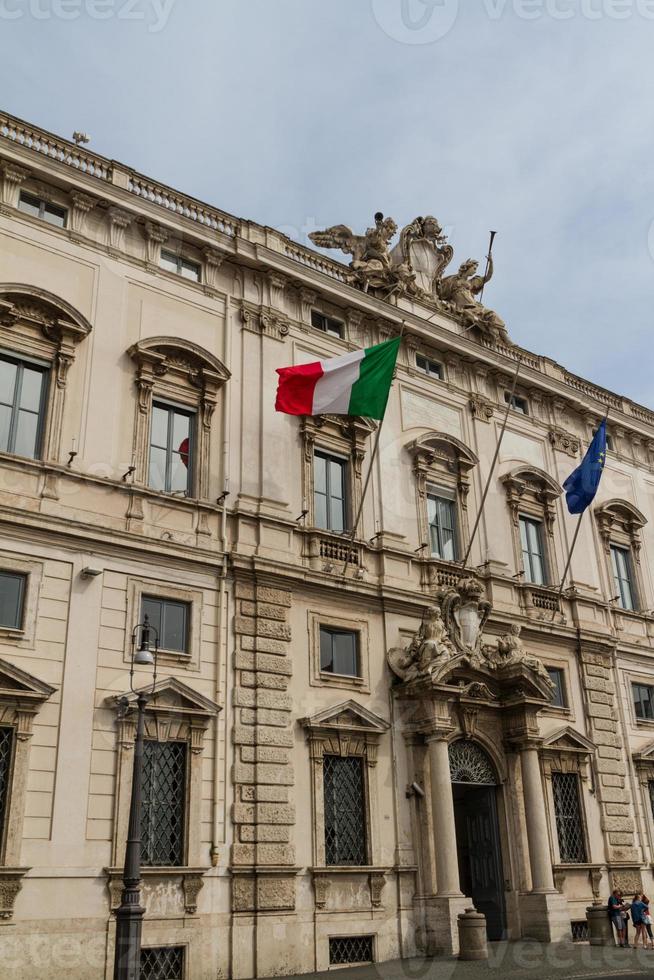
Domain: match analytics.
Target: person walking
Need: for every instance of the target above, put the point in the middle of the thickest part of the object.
(638, 909)
(647, 919)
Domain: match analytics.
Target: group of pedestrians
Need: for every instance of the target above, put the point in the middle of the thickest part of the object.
(620, 911)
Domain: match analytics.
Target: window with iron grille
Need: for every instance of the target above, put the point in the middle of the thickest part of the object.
(163, 803)
(441, 514)
(12, 595)
(6, 750)
(329, 492)
(623, 577)
(569, 823)
(650, 786)
(45, 210)
(339, 652)
(170, 619)
(643, 695)
(327, 324)
(558, 696)
(171, 449)
(579, 931)
(350, 949)
(162, 963)
(23, 387)
(345, 818)
(533, 555)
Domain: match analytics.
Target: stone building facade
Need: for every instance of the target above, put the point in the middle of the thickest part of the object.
(351, 736)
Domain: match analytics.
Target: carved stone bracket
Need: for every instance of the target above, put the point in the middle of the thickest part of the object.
(321, 886)
(82, 205)
(10, 884)
(156, 236)
(12, 178)
(377, 882)
(264, 320)
(213, 260)
(481, 408)
(191, 885)
(564, 442)
(119, 221)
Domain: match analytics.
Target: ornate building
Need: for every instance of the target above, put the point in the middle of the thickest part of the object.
(352, 737)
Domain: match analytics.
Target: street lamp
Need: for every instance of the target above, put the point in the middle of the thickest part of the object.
(129, 916)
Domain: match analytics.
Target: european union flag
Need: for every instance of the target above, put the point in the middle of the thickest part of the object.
(581, 486)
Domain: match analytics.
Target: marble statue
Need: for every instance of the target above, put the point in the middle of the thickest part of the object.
(423, 248)
(511, 650)
(460, 291)
(371, 263)
(431, 645)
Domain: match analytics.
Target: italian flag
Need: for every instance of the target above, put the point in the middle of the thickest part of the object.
(354, 384)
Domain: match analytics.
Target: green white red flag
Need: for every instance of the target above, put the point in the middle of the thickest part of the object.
(358, 383)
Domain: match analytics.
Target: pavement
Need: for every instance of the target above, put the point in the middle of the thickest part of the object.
(522, 960)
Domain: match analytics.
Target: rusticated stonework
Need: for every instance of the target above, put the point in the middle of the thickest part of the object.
(263, 812)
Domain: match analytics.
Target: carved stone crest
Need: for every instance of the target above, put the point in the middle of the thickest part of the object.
(465, 613)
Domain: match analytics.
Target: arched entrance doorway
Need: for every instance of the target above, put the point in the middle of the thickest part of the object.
(474, 790)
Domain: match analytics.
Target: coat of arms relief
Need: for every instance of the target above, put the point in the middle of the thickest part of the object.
(416, 267)
(451, 634)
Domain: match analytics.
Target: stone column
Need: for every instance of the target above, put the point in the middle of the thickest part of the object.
(540, 858)
(442, 806)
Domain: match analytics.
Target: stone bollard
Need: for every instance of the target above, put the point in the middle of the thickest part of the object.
(473, 944)
(600, 930)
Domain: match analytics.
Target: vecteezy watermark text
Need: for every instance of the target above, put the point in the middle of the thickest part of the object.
(426, 21)
(154, 13)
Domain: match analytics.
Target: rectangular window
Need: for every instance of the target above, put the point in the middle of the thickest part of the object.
(185, 268)
(650, 787)
(327, 324)
(609, 440)
(163, 804)
(441, 514)
(556, 677)
(623, 577)
(170, 619)
(339, 652)
(350, 949)
(6, 752)
(44, 210)
(520, 405)
(12, 595)
(569, 824)
(22, 397)
(643, 696)
(171, 449)
(162, 963)
(345, 823)
(432, 368)
(330, 506)
(533, 559)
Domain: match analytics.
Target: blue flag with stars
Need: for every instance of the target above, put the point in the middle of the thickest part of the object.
(581, 486)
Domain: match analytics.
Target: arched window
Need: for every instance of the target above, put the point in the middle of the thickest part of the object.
(531, 495)
(178, 384)
(442, 465)
(620, 524)
(39, 333)
(469, 763)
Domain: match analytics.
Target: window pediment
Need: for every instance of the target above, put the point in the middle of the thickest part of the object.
(16, 685)
(525, 479)
(568, 740)
(441, 447)
(347, 717)
(57, 319)
(171, 697)
(567, 751)
(174, 355)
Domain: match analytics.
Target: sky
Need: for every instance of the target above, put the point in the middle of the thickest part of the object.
(534, 118)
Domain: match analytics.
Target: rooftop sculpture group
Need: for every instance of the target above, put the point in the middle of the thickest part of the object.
(415, 267)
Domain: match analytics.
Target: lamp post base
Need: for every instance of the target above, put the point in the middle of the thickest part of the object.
(127, 961)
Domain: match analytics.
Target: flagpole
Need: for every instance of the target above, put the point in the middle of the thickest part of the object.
(373, 457)
(567, 565)
(488, 262)
(493, 464)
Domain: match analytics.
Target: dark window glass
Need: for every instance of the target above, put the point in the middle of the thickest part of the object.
(6, 751)
(171, 449)
(44, 210)
(643, 700)
(650, 787)
(609, 440)
(339, 652)
(163, 803)
(22, 388)
(441, 513)
(432, 368)
(329, 492)
(569, 825)
(623, 577)
(170, 618)
(12, 594)
(556, 677)
(185, 268)
(517, 404)
(344, 797)
(327, 324)
(162, 963)
(533, 559)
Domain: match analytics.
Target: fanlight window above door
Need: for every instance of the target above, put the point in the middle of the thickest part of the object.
(470, 764)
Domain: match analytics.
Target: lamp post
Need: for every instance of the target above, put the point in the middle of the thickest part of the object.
(129, 916)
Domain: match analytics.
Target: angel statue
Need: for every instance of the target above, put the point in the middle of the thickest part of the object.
(511, 650)
(430, 645)
(460, 290)
(423, 248)
(371, 258)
